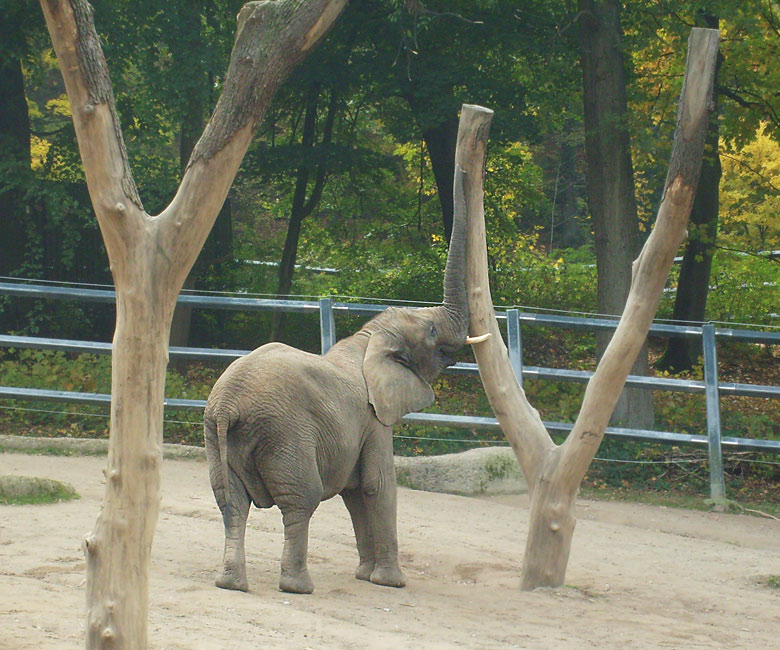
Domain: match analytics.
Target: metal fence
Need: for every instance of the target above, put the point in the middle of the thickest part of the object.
(514, 320)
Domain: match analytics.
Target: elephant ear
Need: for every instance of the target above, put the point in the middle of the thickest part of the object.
(393, 389)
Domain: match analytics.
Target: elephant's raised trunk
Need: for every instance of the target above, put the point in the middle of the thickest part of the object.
(455, 302)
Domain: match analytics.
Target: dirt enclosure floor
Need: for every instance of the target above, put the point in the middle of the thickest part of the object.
(638, 577)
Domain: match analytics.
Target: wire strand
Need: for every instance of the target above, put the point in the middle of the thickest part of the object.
(393, 301)
(497, 443)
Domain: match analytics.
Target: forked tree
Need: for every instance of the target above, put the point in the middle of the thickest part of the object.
(554, 472)
(150, 257)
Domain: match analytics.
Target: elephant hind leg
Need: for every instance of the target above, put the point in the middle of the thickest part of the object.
(295, 577)
(301, 496)
(234, 516)
(378, 486)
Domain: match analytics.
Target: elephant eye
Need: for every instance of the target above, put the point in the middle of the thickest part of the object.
(434, 331)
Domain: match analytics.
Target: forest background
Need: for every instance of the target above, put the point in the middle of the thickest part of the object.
(346, 191)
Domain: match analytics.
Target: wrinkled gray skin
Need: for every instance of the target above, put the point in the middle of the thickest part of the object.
(288, 428)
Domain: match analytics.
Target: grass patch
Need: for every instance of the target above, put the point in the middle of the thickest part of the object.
(633, 495)
(44, 450)
(773, 581)
(678, 499)
(27, 490)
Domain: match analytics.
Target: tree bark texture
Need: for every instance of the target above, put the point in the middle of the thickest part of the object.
(150, 257)
(519, 421)
(610, 180)
(554, 473)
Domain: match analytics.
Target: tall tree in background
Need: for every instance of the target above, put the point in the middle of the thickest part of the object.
(302, 204)
(14, 142)
(748, 110)
(610, 180)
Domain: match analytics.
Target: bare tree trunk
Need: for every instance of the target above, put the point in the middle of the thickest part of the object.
(610, 180)
(554, 473)
(119, 546)
(150, 257)
(690, 302)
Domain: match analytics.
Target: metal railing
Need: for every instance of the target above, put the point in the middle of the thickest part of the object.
(327, 310)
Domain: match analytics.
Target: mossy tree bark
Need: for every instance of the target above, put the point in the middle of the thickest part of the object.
(150, 257)
(554, 472)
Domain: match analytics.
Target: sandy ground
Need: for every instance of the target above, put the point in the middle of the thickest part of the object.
(638, 577)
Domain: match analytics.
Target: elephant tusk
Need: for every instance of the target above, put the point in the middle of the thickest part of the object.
(471, 340)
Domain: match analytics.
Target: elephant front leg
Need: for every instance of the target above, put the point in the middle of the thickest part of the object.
(356, 506)
(378, 484)
(386, 570)
(234, 516)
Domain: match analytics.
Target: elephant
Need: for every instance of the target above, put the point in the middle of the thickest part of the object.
(288, 428)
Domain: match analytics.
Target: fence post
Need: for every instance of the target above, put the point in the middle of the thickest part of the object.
(327, 325)
(514, 343)
(717, 485)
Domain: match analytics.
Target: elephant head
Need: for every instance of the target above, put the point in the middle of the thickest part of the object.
(408, 348)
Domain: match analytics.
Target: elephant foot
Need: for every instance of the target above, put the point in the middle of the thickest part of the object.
(364, 571)
(299, 583)
(232, 580)
(388, 577)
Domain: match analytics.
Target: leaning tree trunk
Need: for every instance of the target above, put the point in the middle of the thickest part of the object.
(693, 285)
(554, 473)
(150, 257)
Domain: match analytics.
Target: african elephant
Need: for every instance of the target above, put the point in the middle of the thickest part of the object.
(288, 428)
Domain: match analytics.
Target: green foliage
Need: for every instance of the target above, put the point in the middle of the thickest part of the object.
(750, 193)
(523, 274)
(744, 288)
(90, 374)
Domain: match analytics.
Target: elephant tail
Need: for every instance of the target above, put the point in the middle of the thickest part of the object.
(223, 421)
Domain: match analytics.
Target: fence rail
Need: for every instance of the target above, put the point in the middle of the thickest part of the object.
(328, 309)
